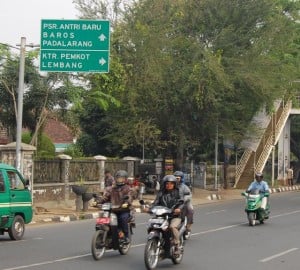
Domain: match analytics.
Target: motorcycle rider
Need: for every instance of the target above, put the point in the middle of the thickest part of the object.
(169, 196)
(116, 194)
(262, 186)
(184, 189)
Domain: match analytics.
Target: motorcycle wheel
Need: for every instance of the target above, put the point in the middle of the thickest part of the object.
(151, 254)
(176, 259)
(251, 218)
(97, 247)
(125, 247)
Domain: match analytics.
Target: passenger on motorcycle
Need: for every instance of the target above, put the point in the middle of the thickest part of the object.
(184, 189)
(169, 196)
(116, 194)
(262, 186)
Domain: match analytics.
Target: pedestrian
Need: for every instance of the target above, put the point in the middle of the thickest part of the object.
(108, 179)
(290, 176)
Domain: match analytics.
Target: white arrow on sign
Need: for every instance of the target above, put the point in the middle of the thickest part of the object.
(102, 37)
(102, 61)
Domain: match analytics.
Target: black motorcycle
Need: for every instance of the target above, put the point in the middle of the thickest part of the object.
(160, 244)
(108, 234)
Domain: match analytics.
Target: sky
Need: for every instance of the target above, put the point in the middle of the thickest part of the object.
(22, 18)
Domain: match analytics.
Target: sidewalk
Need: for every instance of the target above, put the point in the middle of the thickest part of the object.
(65, 212)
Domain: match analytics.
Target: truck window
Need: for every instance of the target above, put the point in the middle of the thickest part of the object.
(1, 182)
(15, 181)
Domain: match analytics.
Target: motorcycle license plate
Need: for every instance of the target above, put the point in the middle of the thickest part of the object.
(156, 220)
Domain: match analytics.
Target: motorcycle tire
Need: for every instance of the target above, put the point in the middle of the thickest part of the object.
(151, 255)
(251, 218)
(97, 247)
(125, 247)
(176, 259)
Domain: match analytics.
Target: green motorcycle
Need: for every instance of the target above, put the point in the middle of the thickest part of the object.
(253, 206)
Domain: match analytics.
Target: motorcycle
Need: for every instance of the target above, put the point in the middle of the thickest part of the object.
(108, 235)
(160, 244)
(253, 207)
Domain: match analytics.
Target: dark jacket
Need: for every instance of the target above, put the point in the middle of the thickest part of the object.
(168, 198)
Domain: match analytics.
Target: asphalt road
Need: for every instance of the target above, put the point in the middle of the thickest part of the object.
(221, 239)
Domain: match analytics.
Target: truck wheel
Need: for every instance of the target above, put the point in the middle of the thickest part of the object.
(17, 229)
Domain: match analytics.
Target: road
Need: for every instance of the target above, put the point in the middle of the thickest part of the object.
(221, 239)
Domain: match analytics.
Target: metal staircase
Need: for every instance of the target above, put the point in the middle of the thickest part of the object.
(255, 157)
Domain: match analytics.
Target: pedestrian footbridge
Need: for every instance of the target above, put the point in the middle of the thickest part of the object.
(272, 130)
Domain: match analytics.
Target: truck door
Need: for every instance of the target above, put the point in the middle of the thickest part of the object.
(4, 197)
(20, 197)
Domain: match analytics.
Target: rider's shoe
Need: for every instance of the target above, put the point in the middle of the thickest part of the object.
(188, 227)
(126, 240)
(177, 250)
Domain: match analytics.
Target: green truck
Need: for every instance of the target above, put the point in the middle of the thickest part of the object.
(15, 202)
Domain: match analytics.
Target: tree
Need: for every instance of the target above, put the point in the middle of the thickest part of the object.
(43, 93)
(191, 66)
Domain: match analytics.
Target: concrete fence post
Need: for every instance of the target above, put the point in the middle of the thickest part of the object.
(65, 172)
(130, 165)
(101, 167)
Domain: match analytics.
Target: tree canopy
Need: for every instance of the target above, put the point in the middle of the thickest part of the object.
(180, 70)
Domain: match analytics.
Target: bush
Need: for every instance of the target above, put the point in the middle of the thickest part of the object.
(45, 147)
(74, 150)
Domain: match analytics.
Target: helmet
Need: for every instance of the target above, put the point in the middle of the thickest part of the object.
(169, 178)
(121, 177)
(258, 176)
(179, 174)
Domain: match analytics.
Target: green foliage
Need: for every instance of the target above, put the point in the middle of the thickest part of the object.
(74, 150)
(26, 137)
(45, 147)
(182, 68)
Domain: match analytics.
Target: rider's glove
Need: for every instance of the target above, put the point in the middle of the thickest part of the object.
(124, 205)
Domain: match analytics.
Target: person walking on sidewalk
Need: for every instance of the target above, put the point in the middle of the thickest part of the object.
(290, 176)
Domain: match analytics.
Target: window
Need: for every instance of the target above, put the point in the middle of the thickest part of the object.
(15, 181)
(2, 189)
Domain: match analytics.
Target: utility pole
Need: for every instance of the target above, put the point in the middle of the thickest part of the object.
(20, 104)
(216, 158)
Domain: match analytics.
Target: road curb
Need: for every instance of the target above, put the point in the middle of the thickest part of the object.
(94, 215)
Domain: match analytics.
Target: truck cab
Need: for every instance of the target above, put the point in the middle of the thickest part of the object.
(15, 202)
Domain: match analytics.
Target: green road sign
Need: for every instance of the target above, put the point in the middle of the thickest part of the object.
(75, 46)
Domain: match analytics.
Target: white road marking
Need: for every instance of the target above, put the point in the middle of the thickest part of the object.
(142, 244)
(215, 212)
(278, 255)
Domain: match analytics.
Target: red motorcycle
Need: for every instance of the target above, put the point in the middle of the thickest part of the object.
(108, 235)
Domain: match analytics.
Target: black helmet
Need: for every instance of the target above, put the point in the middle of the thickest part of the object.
(169, 178)
(179, 174)
(120, 177)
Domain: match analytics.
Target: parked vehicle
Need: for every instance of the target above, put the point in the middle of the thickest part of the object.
(108, 234)
(253, 207)
(160, 244)
(15, 202)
